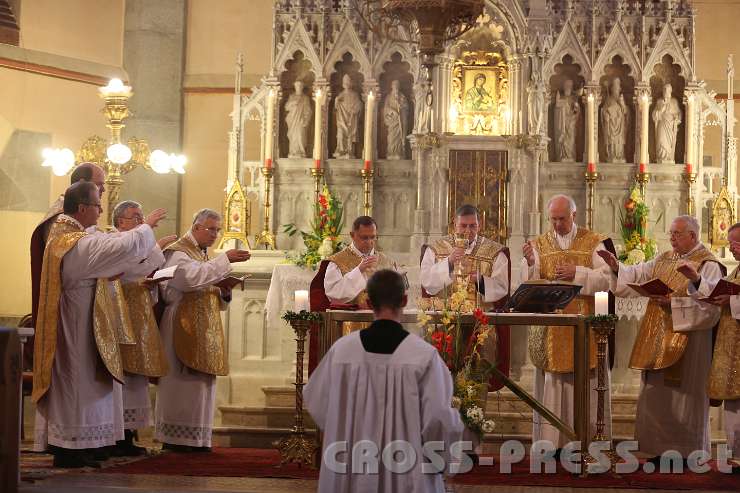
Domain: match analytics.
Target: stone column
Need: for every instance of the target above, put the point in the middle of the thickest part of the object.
(153, 56)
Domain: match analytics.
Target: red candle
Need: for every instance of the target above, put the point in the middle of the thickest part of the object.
(368, 165)
(317, 163)
(642, 168)
(268, 163)
(591, 168)
(689, 169)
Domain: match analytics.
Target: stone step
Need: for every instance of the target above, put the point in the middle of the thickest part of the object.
(251, 436)
(283, 396)
(268, 416)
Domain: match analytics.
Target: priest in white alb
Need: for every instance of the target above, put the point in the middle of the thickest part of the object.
(673, 348)
(76, 355)
(565, 253)
(378, 387)
(193, 336)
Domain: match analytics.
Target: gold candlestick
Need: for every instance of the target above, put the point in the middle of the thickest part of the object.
(689, 178)
(318, 176)
(642, 178)
(367, 176)
(298, 447)
(266, 237)
(591, 177)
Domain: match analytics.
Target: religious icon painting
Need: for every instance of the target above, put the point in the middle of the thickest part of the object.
(236, 216)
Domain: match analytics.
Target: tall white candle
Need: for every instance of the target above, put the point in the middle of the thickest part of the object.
(301, 301)
(644, 128)
(590, 140)
(369, 118)
(690, 140)
(601, 305)
(269, 127)
(318, 116)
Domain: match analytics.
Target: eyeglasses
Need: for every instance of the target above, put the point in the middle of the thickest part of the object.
(100, 207)
(137, 219)
(676, 234)
(213, 231)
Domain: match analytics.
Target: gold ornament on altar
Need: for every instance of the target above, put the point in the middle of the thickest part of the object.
(237, 215)
(480, 90)
(721, 217)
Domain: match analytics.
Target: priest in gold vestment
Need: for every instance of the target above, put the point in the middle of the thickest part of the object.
(724, 376)
(673, 348)
(348, 270)
(565, 253)
(76, 353)
(145, 358)
(193, 336)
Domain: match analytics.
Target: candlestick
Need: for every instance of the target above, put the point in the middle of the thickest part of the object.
(644, 129)
(690, 141)
(318, 174)
(301, 301)
(317, 127)
(591, 177)
(369, 117)
(591, 168)
(642, 168)
(642, 178)
(269, 124)
(266, 237)
(591, 151)
(367, 176)
(601, 303)
(689, 178)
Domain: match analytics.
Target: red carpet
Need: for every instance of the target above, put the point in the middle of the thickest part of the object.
(262, 463)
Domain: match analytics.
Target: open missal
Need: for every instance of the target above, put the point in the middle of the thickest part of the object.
(162, 275)
(542, 296)
(230, 282)
(723, 287)
(653, 287)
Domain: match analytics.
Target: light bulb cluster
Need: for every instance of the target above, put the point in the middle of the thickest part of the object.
(59, 160)
(161, 162)
(115, 87)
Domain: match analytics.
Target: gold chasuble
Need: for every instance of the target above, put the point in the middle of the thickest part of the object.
(197, 330)
(146, 357)
(63, 236)
(551, 347)
(348, 259)
(724, 378)
(657, 346)
(480, 260)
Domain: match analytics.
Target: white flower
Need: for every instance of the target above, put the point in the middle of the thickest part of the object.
(635, 256)
(326, 248)
(470, 390)
(488, 426)
(456, 402)
(475, 414)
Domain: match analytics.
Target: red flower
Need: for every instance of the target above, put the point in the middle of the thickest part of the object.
(480, 316)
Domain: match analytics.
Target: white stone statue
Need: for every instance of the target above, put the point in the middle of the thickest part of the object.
(396, 117)
(667, 117)
(297, 119)
(347, 107)
(567, 111)
(536, 107)
(614, 120)
(424, 109)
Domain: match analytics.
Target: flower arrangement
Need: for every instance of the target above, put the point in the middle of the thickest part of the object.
(323, 239)
(634, 220)
(461, 353)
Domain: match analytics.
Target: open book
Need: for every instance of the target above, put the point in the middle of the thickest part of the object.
(162, 275)
(723, 287)
(230, 282)
(653, 287)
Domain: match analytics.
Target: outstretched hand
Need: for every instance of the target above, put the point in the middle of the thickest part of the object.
(610, 260)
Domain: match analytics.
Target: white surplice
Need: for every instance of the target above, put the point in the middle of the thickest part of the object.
(677, 417)
(186, 398)
(355, 395)
(136, 402)
(555, 390)
(344, 288)
(437, 275)
(79, 410)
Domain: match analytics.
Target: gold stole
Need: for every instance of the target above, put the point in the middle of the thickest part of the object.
(145, 357)
(724, 378)
(63, 236)
(197, 330)
(480, 259)
(551, 347)
(347, 259)
(657, 346)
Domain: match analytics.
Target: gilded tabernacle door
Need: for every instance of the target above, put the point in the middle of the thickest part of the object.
(480, 178)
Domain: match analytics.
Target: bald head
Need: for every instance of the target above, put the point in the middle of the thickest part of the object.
(561, 210)
(89, 172)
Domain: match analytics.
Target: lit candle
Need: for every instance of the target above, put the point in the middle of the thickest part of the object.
(644, 128)
(317, 137)
(269, 128)
(601, 305)
(369, 116)
(591, 154)
(301, 301)
(690, 141)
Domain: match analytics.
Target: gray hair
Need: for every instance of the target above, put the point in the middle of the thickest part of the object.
(203, 215)
(691, 223)
(121, 208)
(571, 202)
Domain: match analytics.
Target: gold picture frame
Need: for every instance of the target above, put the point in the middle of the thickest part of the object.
(480, 92)
(721, 217)
(236, 215)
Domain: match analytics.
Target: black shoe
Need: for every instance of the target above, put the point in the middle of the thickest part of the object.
(98, 454)
(201, 449)
(177, 448)
(127, 448)
(735, 469)
(68, 458)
